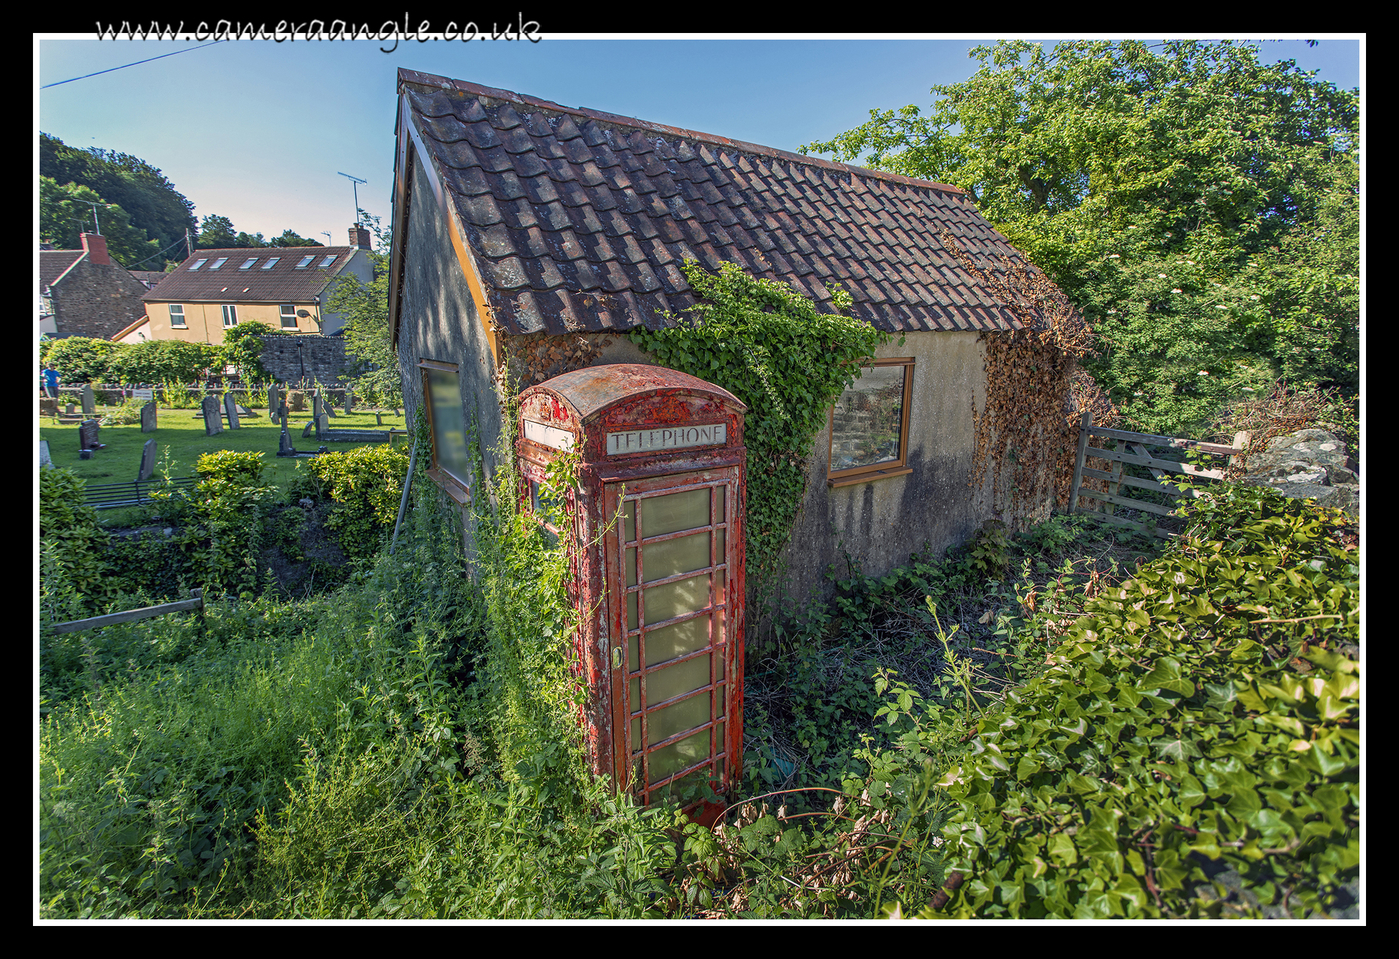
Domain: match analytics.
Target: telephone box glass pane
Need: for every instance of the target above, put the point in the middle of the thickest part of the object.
(674, 511)
(674, 556)
(676, 718)
(676, 640)
(674, 599)
(677, 680)
(669, 760)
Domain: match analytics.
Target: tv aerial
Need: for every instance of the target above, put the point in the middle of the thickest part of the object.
(356, 181)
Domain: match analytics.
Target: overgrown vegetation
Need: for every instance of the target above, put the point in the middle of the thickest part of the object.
(1069, 723)
(768, 345)
(1198, 205)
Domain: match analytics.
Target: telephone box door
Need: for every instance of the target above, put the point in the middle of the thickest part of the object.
(675, 598)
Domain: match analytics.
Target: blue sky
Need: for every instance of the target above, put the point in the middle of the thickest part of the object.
(258, 131)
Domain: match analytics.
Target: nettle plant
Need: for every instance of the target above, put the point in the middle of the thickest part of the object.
(788, 362)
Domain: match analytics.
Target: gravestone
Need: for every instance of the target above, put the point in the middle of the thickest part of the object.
(89, 401)
(148, 417)
(230, 409)
(322, 425)
(296, 401)
(274, 399)
(308, 430)
(213, 422)
(147, 461)
(349, 401)
(88, 433)
(44, 458)
(379, 417)
(317, 406)
(284, 445)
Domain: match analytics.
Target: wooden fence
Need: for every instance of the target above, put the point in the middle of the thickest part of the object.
(1132, 465)
(195, 602)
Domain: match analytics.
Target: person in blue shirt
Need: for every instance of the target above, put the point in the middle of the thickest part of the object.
(51, 381)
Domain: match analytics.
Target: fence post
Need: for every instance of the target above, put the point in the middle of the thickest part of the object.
(1085, 422)
(1115, 483)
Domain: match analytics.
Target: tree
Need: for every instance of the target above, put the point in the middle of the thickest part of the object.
(80, 359)
(162, 361)
(1164, 189)
(292, 238)
(67, 211)
(242, 349)
(368, 338)
(137, 187)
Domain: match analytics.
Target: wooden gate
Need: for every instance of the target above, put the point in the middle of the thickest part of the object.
(1131, 465)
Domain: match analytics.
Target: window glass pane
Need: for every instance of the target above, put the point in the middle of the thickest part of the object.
(867, 422)
(631, 566)
(629, 522)
(674, 556)
(448, 424)
(677, 756)
(674, 511)
(677, 639)
(676, 718)
(673, 599)
(672, 681)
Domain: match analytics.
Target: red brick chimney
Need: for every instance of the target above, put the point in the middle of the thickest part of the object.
(359, 237)
(96, 247)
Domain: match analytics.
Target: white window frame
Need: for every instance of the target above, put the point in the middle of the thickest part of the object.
(288, 311)
(177, 317)
(230, 315)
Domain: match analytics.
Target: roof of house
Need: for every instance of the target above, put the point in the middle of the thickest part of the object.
(287, 274)
(54, 263)
(580, 220)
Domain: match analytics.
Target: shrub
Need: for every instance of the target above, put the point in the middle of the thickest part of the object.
(72, 537)
(367, 485)
(79, 359)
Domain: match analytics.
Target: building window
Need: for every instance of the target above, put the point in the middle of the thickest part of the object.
(869, 425)
(328, 260)
(177, 316)
(218, 263)
(305, 262)
(198, 264)
(230, 315)
(451, 463)
(288, 316)
(271, 262)
(248, 263)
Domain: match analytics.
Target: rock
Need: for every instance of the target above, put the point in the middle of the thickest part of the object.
(1312, 464)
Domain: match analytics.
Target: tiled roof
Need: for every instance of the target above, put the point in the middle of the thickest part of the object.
(54, 263)
(281, 283)
(580, 220)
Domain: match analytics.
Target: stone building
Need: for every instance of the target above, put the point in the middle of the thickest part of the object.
(86, 293)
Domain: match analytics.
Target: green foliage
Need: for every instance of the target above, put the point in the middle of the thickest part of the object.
(768, 345)
(153, 362)
(366, 485)
(242, 349)
(66, 212)
(368, 338)
(79, 359)
(231, 507)
(71, 543)
(1200, 207)
(1203, 712)
(153, 203)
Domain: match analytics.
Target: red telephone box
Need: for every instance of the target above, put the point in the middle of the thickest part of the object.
(657, 563)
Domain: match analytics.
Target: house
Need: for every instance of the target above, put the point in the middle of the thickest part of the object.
(85, 292)
(533, 234)
(284, 287)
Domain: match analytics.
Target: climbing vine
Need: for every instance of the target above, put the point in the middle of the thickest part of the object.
(788, 362)
(1035, 390)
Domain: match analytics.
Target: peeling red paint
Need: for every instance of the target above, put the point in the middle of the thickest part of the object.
(587, 405)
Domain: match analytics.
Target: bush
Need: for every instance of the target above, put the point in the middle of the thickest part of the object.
(154, 362)
(72, 539)
(79, 359)
(366, 485)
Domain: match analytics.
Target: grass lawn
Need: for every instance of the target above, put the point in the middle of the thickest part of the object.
(180, 433)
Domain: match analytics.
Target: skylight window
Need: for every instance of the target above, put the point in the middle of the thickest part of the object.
(198, 264)
(305, 261)
(271, 262)
(328, 260)
(218, 263)
(248, 262)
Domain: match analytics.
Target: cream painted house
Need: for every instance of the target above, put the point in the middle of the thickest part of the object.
(283, 287)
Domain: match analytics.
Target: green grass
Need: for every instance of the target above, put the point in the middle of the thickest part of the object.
(180, 435)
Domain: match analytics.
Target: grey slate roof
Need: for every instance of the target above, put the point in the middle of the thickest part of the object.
(54, 263)
(580, 220)
(283, 283)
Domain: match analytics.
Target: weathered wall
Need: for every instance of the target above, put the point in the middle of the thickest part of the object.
(1310, 464)
(439, 319)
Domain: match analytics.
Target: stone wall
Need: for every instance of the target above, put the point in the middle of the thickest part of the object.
(1312, 464)
(97, 300)
(307, 358)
